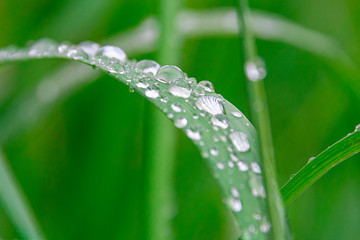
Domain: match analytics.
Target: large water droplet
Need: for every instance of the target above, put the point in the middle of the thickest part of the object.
(148, 66)
(236, 114)
(210, 104)
(152, 91)
(255, 71)
(240, 141)
(208, 86)
(180, 122)
(43, 47)
(180, 88)
(220, 120)
(90, 48)
(169, 73)
(112, 52)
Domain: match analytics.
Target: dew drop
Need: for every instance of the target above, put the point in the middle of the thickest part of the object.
(193, 134)
(235, 192)
(180, 122)
(152, 91)
(180, 88)
(242, 166)
(233, 157)
(176, 107)
(116, 68)
(255, 167)
(148, 66)
(265, 227)
(143, 82)
(311, 159)
(255, 71)
(210, 104)
(220, 166)
(169, 73)
(131, 90)
(240, 141)
(43, 47)
(214, 152)
(231, 164)
(199, 91)
(112, 52)
(236, 114)
(191, 81)
(235, 204)
(90, 48)
(357, 128)
(207, 86)
(220, 120)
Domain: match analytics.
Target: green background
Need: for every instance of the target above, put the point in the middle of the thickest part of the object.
(81, 166)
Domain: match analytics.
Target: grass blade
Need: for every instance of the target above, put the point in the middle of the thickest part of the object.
(227, 140)
(321, 164)
(14, 203)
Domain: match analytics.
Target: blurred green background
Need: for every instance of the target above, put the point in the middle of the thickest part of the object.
(81, 166)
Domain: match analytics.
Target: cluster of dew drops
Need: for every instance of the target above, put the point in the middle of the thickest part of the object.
(148, 78)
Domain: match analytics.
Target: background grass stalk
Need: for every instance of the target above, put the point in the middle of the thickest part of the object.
(160, 153)
(14, 203)
(261, 117)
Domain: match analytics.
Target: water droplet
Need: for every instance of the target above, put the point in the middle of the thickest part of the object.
(76, 53)
(148, 66)
(240, 141)
(255, 71)
(311, 159)
(170, 115)
(210, 104)
(220, 166)
(90, 48)
(235, 204)
(180, 88)
(164, 100)
(152, 91)
(257, 189)
(265, 227)
(242, 166)
(214, 152)
(169, 73)
(208, 86)
(220, 120)
(43, 47)
(116, 68)
(231, 164)
(357, 128)
(200, 91)
(236, 114)
(112, 52)
(191, 81)
(193, 134)
(235, 192)
(255, 167)
(257, 216)
(176, 107)
(143, 82)
(233, 157)
(131, 90)
(180, 122)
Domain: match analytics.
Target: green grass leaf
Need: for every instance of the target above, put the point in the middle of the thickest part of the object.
(321, 164)
(227, 140)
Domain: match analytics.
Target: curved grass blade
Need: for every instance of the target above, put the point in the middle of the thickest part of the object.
(14, 204)
(318, 166)
(226, 139)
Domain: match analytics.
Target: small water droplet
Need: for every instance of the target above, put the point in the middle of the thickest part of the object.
(193, 134)
(220, 120)
(210, 104)
(214, 152)
(236, 114)
(90, 48)
(143, 82)
(180, 122)
(180, 88)
(240, 141)
(169, 73)
(231, 164)
(199, 91)
(311, 159)
(131, 90)
(176, 107)
(235, 192)
(255, 71)
(255, 167)
(152, 91)
(191, 81)
(233, 157)
(265, 227)
(242, 166)
(357, 128)
(164, 100)
(111, 52)
(208, 86)
(116, 68)
(148, 66)
(43, 47)
(235, 204)
(220, 166)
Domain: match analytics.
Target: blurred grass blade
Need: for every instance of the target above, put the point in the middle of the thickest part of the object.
(227, 140)
(14, 203)
(318, 166)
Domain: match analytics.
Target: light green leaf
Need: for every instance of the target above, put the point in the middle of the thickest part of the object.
(321, 164)
(225, 137)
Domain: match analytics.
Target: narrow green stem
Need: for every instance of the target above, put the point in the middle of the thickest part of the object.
(13, 202)
(161, 139)
(255, 74)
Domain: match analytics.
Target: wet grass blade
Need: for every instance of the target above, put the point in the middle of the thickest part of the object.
(321, 164)
(227, 140)
(14, 203)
